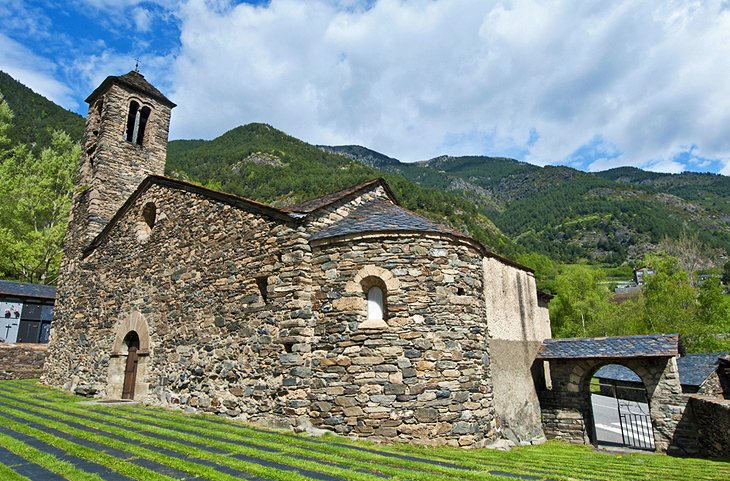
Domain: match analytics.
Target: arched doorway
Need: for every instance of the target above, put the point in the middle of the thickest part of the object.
(131, 340)
(620, 412)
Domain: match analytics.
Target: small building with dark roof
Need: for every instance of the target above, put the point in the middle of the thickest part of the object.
(26, 311)
(346, 312)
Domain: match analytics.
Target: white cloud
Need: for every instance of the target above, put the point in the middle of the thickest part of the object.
(417, 78)
(142, 19)
(34, 72)
(592, 84)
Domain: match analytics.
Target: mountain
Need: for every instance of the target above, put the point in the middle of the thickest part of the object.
(262, 163)
(570, 215)
(36, 117)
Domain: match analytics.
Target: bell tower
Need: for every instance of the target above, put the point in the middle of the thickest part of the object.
(124, 142)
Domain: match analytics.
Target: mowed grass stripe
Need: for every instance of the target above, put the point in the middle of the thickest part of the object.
(347, 473)
(64, 469)
(175, 464)
(6, 473)
(23, 467)
(117, 434)
(114, 463)
(80, 464)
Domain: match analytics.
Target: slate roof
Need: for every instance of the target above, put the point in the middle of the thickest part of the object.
(311, 205)
(132, 80)
(693, 370)
(24, 289)
(381, 215)
(654, 345)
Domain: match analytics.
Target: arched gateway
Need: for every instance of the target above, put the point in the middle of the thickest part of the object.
(565, 389)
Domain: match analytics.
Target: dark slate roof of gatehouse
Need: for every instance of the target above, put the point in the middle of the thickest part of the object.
(653, 345)
(380, 215)
(24, 289)
(134, 81)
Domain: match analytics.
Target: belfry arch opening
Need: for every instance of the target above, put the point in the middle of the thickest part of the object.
(136, 122)
(619, 408)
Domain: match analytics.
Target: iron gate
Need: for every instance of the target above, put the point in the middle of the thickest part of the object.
(634, 421)
(636, 429)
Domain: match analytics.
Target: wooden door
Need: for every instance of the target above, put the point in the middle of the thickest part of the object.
(130, 373)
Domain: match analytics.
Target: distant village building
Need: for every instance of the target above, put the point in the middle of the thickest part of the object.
(26, 311)
(641, 273)
(346, 312)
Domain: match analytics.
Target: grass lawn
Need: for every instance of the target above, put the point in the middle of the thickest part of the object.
(47, 435)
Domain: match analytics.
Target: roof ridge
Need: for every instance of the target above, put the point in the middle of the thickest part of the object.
(322, 201)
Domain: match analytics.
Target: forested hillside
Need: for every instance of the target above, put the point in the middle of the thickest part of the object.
(609, 217)
(36, 117)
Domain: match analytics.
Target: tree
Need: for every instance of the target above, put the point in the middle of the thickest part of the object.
(712, 333)
(37, 202)
(690, 252)
(581, 306)
(671, 300)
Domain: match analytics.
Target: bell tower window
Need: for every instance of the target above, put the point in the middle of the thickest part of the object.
(136, 123)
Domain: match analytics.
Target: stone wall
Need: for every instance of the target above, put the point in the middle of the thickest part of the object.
(215, 342)
(22, 361)
(712, 416)
(423, 375)
(566, 408)
(517, 328)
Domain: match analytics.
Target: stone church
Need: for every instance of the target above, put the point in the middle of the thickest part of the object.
(346, 312)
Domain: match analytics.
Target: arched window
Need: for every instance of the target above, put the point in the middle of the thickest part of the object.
(136, 123)
(376, 304)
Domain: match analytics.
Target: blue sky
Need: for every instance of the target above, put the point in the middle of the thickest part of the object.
(590, 84)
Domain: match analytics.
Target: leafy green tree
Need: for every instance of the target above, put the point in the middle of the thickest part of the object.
(37, 201)
(712, 329)
(581, 306)
(671, 301)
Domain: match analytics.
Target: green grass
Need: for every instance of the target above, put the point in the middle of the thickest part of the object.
(143, 431)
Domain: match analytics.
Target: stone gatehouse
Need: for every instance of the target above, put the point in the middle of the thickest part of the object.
(347, 312)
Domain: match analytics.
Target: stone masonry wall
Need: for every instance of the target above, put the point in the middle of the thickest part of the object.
(713, 425)
(21, 361)
(425, 376)
(215, 343)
